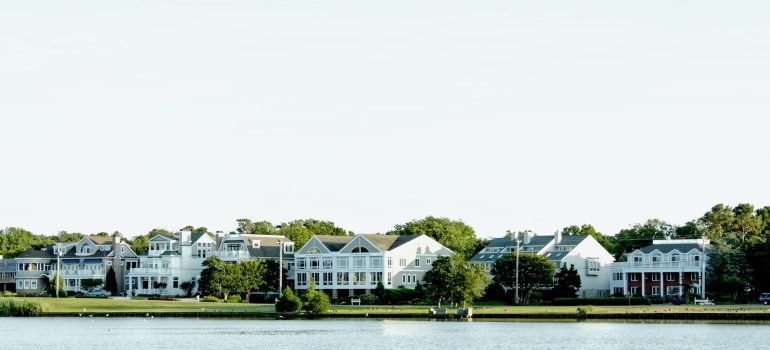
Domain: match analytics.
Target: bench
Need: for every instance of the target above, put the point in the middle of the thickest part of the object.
(703, 302)
(355, 301)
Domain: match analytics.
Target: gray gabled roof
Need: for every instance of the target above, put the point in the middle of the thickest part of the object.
(667, 248)
(388, 242)
(334, 243)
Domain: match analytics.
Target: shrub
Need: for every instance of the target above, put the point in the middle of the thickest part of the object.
(233, 299)
(584, 310)
(288, 302)
(315, 301)
(210, 299)
(368, 299)
(14, 307)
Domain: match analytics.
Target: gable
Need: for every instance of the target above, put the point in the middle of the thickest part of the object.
(312, 245)
(359, 244)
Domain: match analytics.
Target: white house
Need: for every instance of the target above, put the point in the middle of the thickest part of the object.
(663, 268)
(175, 259)
(352, 265)
(590, 259)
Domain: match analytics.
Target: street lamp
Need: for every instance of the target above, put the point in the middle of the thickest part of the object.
(280, 268)
(518, 240)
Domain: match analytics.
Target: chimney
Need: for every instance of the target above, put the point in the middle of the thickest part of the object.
(527, 236)
(184, 237)
(117, 261)
(557, 237)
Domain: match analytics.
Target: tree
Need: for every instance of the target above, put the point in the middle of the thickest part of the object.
(252, 277)
(52, 285)
(110, 284)
(271, 276)
(315, 301)
(288, 302)
(160, 286)
(588, 230)
(187, 287)
(140, 244)
(567, 282)
(452, 279)
(300, 231)
(535, 271)
(727, 270)
(65, 237)
(453, 234)
(212, 276)
(641, 235)
(91, 284)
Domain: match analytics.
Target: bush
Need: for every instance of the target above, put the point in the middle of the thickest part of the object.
(599, 301)
(14, 307)
(233, 299)
(368, 299)
(584, 310)
(315, 301)
(401, 296)
(288, 302)
(210, 299)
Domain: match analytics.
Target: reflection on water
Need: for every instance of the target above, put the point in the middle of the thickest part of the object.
(174, 333)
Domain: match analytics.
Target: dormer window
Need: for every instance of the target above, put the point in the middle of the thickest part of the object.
(288, 247)
(255, 243)
(675, 257)
(86, 250)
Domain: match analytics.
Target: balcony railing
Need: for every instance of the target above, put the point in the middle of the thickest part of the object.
(68, 273)
(149, 270)
(656, 265)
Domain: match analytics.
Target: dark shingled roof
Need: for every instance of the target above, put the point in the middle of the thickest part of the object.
(334, 243)
(388, 242)
(37, 254)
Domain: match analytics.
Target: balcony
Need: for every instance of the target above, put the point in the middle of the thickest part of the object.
(149, 271)
(79, 273)
(658, 265)
(233, 254)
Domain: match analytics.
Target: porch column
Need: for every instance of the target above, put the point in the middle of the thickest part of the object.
(662, 293)
(681, 283)
(643, 291)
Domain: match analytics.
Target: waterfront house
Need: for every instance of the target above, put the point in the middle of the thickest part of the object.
(590, 259)
(172, 260)
(664, 268)
(352, 265)
(89, 258)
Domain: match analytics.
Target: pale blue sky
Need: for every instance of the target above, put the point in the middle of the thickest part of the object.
(505, 114)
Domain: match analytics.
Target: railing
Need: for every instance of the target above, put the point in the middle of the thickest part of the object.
(655, 265)
(233, 254)
(66, 273)
(149, 270)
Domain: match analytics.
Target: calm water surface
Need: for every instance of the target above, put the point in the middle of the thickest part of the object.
(173, 333)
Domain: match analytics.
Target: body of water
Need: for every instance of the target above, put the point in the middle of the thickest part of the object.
(222, 334)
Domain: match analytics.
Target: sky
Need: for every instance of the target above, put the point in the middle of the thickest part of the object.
(507, 115)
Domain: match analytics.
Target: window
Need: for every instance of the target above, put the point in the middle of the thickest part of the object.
(637, 259)
(342, 263)
(316, 277)
(314, 250)
(617, 290)
(634, 290)
(375, 277)
(656, 258)
(655, 277)
(288, 248)
(669, 276)
(417, 262)
(359, 278)
(427, 261)
(390, 261)
(327, 279)
(390, 278)
(255, 243)
(343, 278)
(617, 276)
(634, 276)
(696, 258)
(359, 250)
(402, 262)
(327, 263)
(656, 290)
(175, 282)
(376, 262)
(675, 257)
(359, 262)
(313, 263)
(673, 290)
(301, 279)
(593, 266)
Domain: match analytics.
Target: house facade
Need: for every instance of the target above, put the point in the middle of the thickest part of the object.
(7, 275)
(172, 260)
(89, 258)
(664, 268)
(590, 259)
(352, 265)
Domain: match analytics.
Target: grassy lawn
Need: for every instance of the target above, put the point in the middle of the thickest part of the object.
(136, 305)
